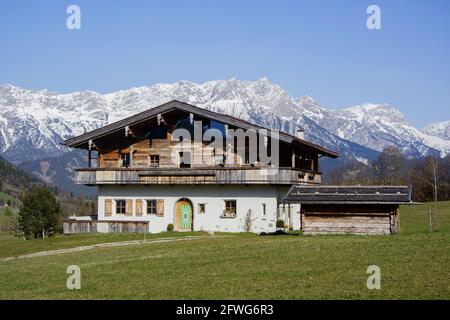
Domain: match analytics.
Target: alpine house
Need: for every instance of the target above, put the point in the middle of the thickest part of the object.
(195, 169)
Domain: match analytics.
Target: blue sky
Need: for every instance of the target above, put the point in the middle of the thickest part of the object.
(318, 48)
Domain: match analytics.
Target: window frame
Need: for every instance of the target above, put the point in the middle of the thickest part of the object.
(126, 155)
(183, 164)
(152, 163)
(230, 211)
(124, 206)
(200, 205)
(147, 206)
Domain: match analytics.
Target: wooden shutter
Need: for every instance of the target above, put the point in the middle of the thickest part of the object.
(138, 207)
(129, 207)
(108, 207)
(160, 207)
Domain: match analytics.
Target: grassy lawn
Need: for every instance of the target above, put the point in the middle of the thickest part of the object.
(11, 246)
(414, 265)
(414, 219)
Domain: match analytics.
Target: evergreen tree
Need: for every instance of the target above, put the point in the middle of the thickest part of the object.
(38, 216)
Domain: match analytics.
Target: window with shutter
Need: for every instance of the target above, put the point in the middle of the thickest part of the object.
(129, 207)
(151, 206)
(160, 208)
(108, 207)
(120, 206)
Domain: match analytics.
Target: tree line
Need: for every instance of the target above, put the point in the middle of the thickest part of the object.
(429, 176)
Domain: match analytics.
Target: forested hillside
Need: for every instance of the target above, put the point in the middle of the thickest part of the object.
(14, 180)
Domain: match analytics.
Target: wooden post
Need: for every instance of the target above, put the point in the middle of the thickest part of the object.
(302, 219)
(293, 157)
(90, 144)
(430, 221)
(131, 155)
(145, 232)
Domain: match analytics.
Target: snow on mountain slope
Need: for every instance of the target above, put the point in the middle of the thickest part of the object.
(439, 129)
(380, 125)
(34, 123)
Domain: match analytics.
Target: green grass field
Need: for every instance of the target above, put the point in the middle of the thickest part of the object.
(414, 264)
(6, 197)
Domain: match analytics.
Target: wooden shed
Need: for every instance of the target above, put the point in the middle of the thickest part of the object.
(349, 209)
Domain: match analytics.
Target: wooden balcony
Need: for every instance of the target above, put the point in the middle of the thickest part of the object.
(210, 175)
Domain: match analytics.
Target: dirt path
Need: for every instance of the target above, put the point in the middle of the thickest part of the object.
(105, 245)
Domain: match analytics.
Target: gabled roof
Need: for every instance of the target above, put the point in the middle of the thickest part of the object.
(81, 140)
(349, 194)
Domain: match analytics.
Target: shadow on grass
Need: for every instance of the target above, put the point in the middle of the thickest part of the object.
(281, 233)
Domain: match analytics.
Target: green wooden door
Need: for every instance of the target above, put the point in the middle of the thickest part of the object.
(184, 215)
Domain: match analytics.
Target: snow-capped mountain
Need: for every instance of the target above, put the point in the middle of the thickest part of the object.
(439, 129)
(33, 123)
(381, 125)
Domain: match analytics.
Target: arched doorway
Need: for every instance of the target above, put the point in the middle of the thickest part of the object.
(184, 215)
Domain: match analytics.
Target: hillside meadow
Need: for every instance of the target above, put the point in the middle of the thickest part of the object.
(415, 264)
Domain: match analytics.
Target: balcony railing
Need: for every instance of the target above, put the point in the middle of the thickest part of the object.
(223, 175)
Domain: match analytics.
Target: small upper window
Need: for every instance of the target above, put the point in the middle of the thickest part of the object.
(201, 208)
(125, 159)
(185, 159)
(264, 209)
(151, 206)
(120, 206)
(154, 160)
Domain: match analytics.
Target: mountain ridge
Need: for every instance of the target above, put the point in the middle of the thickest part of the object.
(240, 98)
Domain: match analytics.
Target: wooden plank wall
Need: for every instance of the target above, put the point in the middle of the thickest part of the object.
(354, 219)
(74, 227)
(142, 149)
(344, 224)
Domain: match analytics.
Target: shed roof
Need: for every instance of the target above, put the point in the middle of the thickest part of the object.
(349, 194)
(82, 140)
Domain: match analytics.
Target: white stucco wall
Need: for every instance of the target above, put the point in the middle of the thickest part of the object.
(247, 198)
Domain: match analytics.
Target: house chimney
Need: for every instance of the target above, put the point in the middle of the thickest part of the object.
(300, 134)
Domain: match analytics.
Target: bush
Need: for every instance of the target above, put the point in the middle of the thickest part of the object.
(170, 227)
(280, 223)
